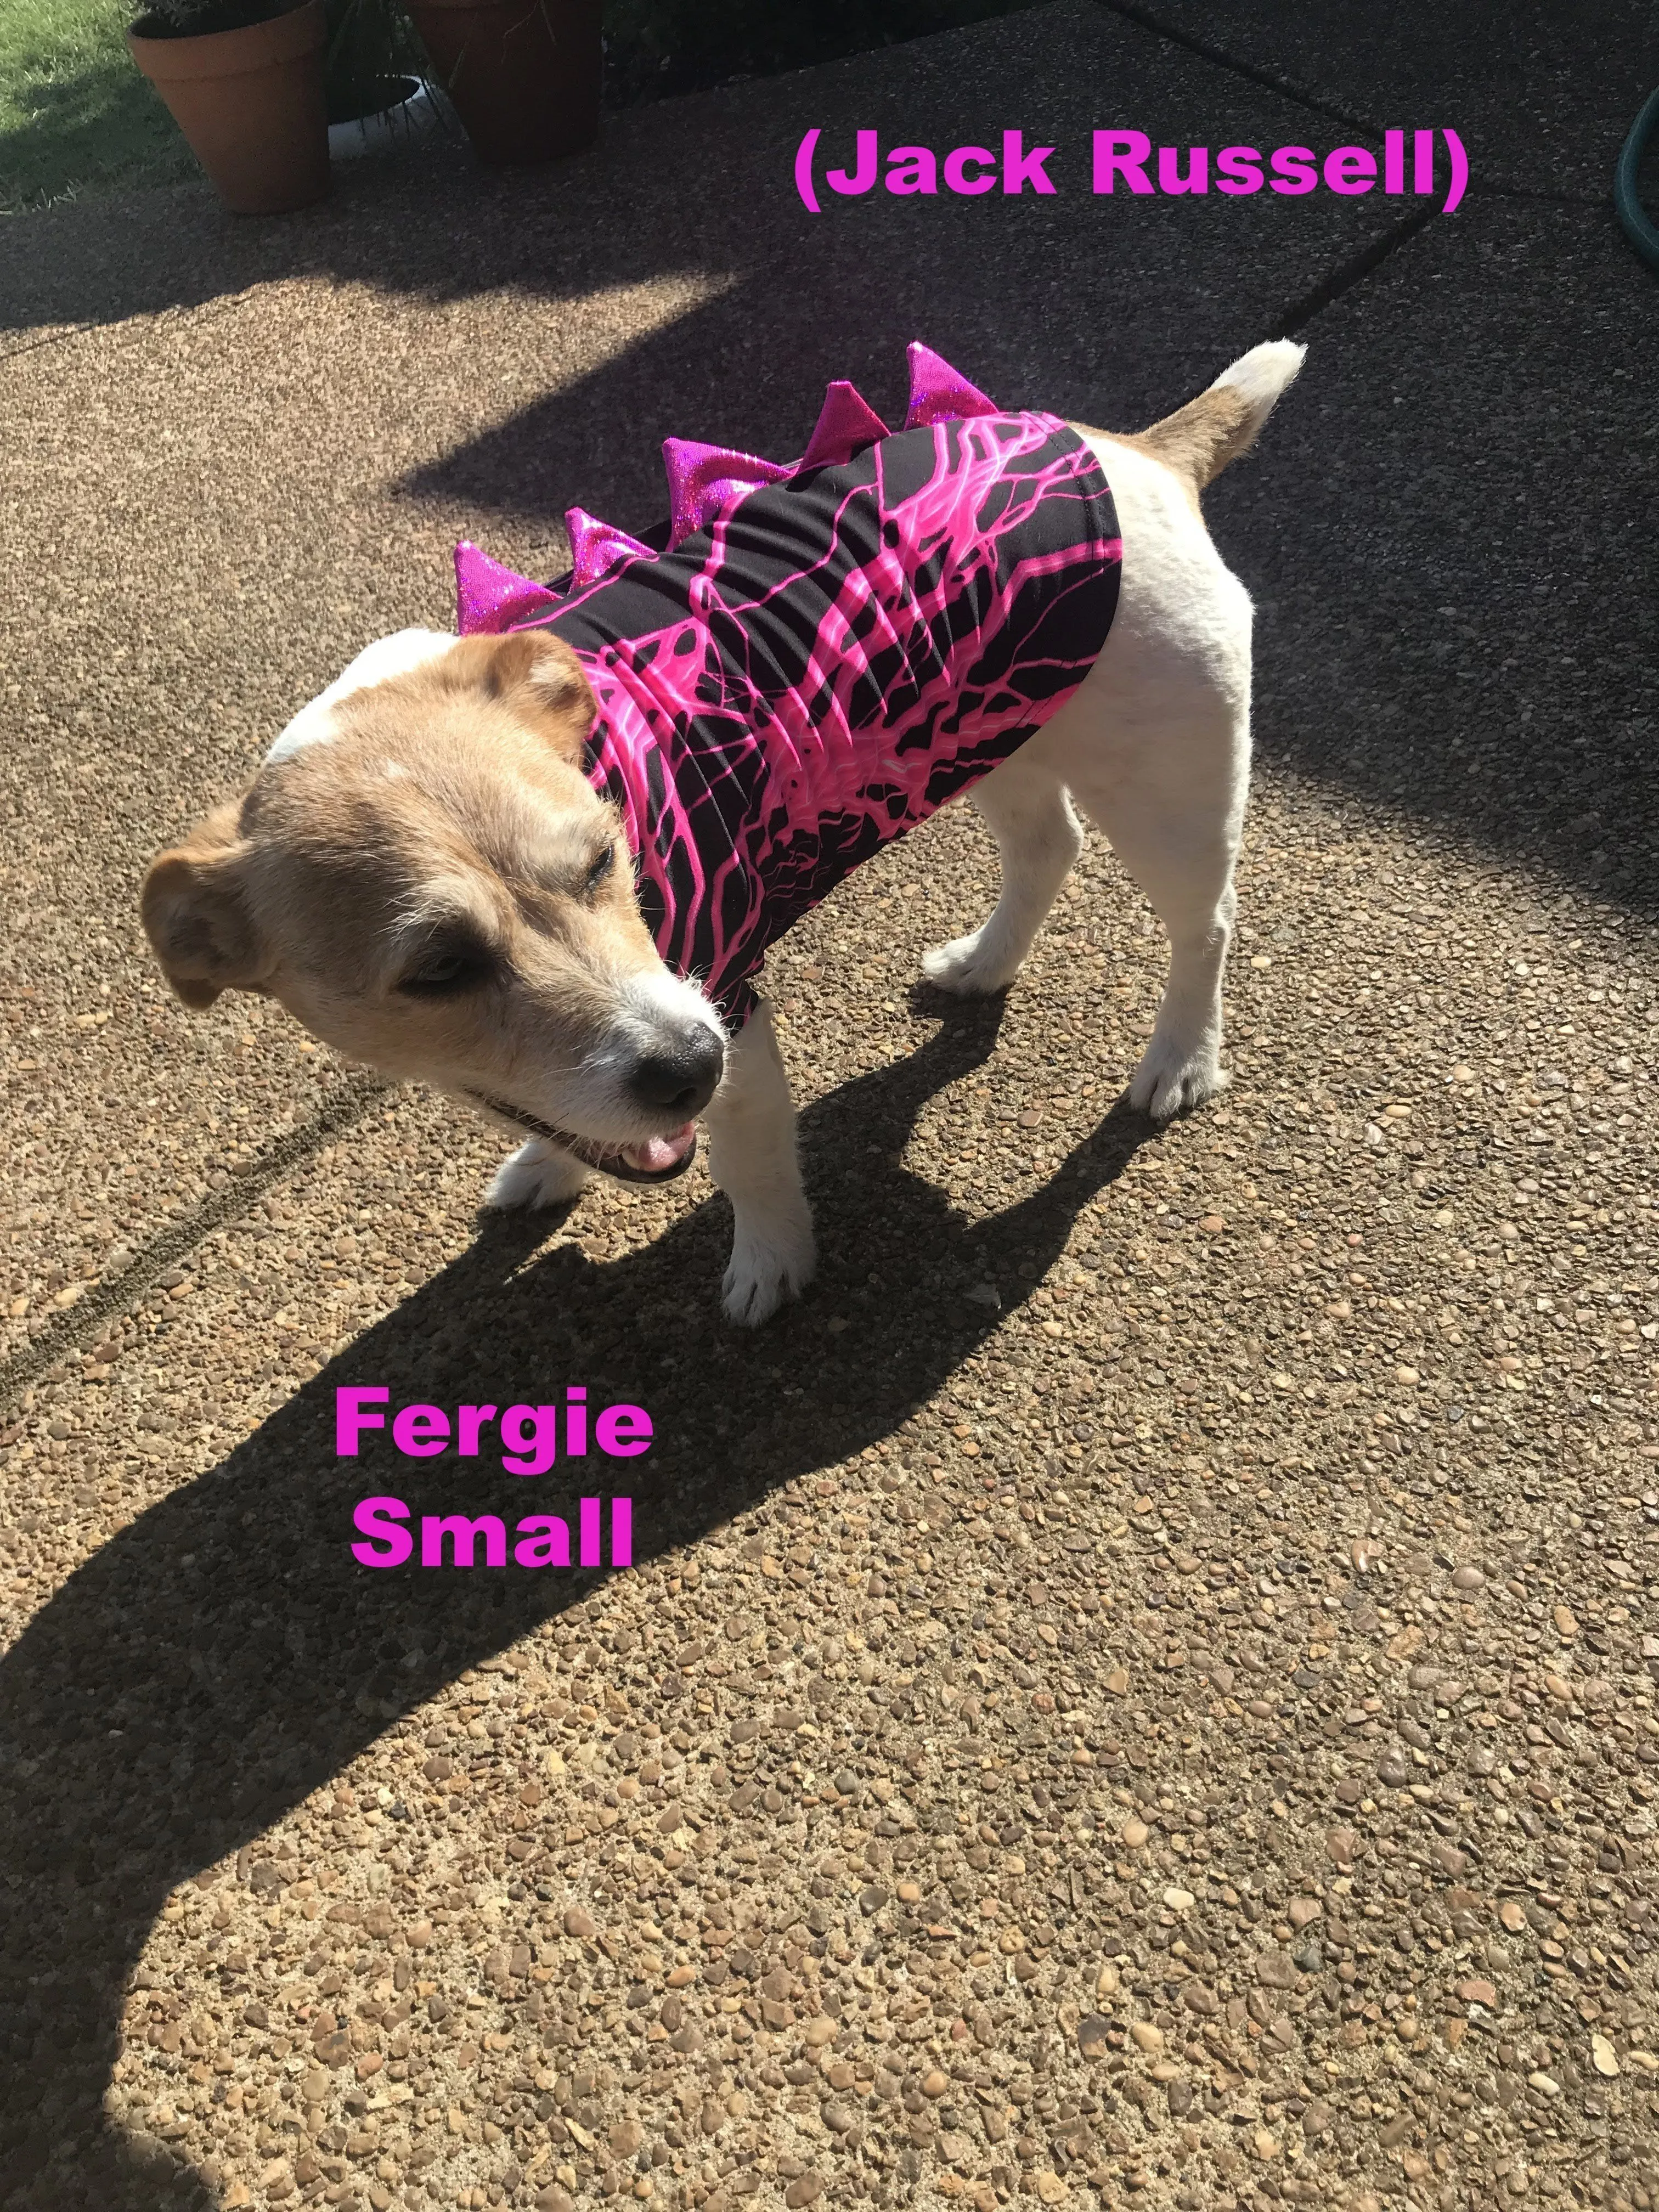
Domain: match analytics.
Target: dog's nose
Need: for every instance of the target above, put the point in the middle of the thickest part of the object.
(680, 1077)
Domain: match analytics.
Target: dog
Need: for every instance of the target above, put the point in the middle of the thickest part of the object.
(536, 864)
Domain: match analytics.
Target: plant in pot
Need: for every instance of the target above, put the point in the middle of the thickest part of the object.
(374, 77)
(244, 81)
(523, 75)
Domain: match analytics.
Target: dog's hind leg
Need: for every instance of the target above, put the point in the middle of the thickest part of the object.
(1026, 810)
(1173, 809)
(1156, 746)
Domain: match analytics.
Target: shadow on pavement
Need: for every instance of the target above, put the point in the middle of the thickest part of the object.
(88, 125)
(1440, 531)
(224, 1655)
(1443, 532)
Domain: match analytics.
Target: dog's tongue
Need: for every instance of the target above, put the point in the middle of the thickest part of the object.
(656, 1153)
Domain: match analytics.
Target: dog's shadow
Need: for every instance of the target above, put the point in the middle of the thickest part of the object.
(223, 1655)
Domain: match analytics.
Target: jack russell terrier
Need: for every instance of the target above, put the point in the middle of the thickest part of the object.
(538, 864)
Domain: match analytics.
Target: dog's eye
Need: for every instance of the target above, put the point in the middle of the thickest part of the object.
(601, 867)
(444, 973)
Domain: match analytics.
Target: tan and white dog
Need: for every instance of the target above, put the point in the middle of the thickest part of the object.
(424, 877)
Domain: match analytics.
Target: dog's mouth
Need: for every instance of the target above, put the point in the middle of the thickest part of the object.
(652, 1159)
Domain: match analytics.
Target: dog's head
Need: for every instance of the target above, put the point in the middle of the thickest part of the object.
(424, 876)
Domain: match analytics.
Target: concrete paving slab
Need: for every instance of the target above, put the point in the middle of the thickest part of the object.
(1259, 1453)
(619, 213)
(1542, 95)
(1139, 1685)
(218, 505)
(1461, 621)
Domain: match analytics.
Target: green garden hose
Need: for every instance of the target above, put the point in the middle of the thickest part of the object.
(1637, 223)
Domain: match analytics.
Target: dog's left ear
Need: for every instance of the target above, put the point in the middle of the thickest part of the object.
(539, 675)
(196, 914)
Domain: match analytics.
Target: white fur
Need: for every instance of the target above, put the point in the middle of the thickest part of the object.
(752, 1157)
(595, 1100)
(1037, 835)
(541, 1174)
(387, 657)
(537, 1174)
(1262, 375)
(1153, 747)
(665, 998)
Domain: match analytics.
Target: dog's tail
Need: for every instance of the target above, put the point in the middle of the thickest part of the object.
(1198, 440)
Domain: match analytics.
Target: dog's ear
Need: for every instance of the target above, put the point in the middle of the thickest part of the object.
(539, 675)
(195, 915)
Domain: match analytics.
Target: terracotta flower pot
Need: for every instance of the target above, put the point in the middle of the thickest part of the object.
(524, 74)
(250, 101)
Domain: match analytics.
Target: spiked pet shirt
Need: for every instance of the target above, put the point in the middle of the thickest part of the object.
(818, 654)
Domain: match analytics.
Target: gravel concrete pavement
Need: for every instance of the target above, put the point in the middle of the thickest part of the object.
(1141, 1689)
(218, 503)
(1543, 102)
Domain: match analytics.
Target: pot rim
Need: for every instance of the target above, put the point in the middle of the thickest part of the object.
(418, 86)
(521, 9)
(287, 35)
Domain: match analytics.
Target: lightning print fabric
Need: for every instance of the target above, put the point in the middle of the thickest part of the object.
(821, 653)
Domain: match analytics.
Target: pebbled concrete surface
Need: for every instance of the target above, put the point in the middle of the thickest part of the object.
(219, 504)
(1542, 95)
(1460, 625)
(1141, 1688)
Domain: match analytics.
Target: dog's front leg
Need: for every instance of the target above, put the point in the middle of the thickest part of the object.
(752, 1157)
(538, 1174)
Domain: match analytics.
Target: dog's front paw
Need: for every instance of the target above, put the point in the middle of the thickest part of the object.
(537, 1174)
(971, 965)
(1173, 1080)
(769, 1264)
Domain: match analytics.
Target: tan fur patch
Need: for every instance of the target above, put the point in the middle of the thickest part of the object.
(446, 819)
(1196, 442)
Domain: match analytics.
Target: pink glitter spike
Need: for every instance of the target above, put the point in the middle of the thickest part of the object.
(702, 478)
(491, 597)
(596, 546)
(847, 424)
(939, 393)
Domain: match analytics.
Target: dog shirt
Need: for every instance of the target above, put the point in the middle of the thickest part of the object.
(812, 657)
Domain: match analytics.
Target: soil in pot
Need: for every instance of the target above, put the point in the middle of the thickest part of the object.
(357, 103)
(246, 88)
(524, 74)
(399, 110)
(374, 62)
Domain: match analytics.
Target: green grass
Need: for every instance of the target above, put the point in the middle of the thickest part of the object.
(76, 116)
